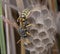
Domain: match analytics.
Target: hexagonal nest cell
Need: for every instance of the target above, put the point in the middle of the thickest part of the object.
(34, 32)
(42, 34)
(36, 14)
(52, 31)
(49, 45)
(33, 52)
(39, 49)
(44, 52)
(31, 20)
(46, 41)
(44, 11)
(36, 42)
(47, 22)
(39, 26)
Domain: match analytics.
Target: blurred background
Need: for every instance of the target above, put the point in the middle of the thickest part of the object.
(11, 9)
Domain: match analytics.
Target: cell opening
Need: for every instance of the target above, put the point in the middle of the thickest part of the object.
(49, 45)
(34, 32)
(31, 20)
(36, 14)
(44, 12)
(39, 25)
(32, 52)
(39, 49)
(46, 41)
(36, 41)
(51, 31)
(42, 34)
(47, 22)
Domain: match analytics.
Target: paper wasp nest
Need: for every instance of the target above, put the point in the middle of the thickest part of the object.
(42, 31)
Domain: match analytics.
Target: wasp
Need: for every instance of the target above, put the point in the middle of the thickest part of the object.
(23, 25)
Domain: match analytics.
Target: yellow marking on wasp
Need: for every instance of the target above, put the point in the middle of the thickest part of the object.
(29, 25)
(27, 41)
(28, 33)
(26, 12)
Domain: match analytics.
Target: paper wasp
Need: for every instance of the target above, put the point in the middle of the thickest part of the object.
(22, 28)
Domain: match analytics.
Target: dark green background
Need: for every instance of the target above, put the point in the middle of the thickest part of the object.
(2, 37)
